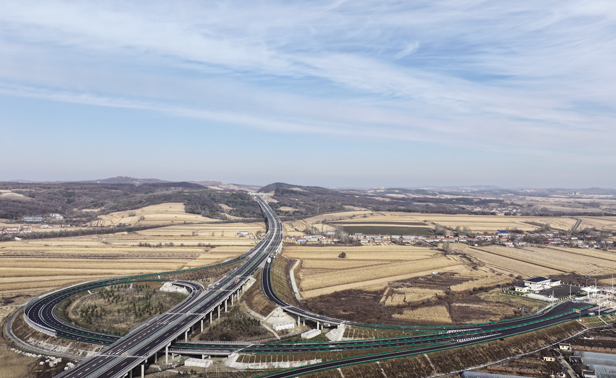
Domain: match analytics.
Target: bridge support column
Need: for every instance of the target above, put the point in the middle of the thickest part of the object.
(186, 336)
(210, 318)
(218, 311)
(167, 354)
(232, 295)
(142, 371)
(318, 325)
(226, 304)
(201, 325)
(303, 321)
(130, 374)
(299, 318)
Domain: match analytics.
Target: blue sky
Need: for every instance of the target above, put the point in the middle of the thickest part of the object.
(364, 93)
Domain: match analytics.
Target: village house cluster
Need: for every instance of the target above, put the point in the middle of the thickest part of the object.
(29, 228)
(31, 224)
(592, 240)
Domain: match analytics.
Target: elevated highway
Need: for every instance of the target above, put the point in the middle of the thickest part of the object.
(436, 344)
(168, 332)
(147, 341)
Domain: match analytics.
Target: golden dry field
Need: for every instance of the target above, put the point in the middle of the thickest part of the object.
(31, 267)
(15, 365)
(600, 223)
(431, 314)
(296, 228)
(541, 261)
(165, 213)
(375, 268)
(476, 223)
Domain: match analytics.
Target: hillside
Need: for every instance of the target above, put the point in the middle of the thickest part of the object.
(83, 202)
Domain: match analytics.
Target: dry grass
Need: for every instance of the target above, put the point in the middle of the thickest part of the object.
(255, 298)
(514, 300)
(15, 365)
(482, 282)
(410, 295)
(426, 314)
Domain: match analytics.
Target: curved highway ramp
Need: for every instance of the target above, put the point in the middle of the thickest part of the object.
(135, 349)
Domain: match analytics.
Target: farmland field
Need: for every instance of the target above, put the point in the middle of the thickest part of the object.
(541, 261)
(322, 272)
(416, 221)
(30, 267)
(164, 213)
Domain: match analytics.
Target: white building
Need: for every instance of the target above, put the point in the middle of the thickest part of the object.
(198, 362)
(538, 283)
(285, 325)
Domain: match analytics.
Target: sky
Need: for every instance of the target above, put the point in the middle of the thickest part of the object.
(366, 93)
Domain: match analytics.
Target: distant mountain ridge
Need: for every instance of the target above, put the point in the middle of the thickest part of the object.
(127, 180)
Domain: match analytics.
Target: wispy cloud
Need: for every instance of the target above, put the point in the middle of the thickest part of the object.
(444, 71)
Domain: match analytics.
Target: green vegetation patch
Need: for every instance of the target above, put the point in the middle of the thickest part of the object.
(117, 309)
(234, 326)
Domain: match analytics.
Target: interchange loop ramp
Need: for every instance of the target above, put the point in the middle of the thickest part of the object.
(132, 350)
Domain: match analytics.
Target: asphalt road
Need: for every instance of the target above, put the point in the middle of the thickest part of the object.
(125, 353)
(42, 312)
(556, 314)
(131, 350)
(454, 342)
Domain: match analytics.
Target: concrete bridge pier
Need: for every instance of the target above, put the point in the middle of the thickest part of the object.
(201, 324)
(186, 336)
(211, 317)
(143, 371)
(218, 311)
(226, 304)
(232, 295)
(167, 354)
(318, 325)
